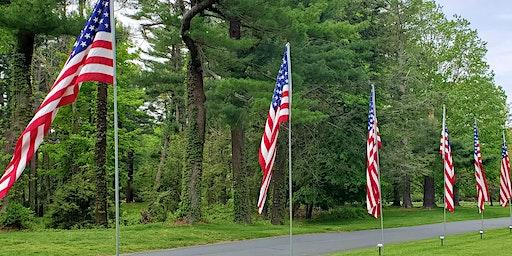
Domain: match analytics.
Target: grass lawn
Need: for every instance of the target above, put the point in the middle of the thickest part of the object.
(496, 242)
(168, 235)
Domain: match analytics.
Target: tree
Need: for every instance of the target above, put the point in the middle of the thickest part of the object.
(196, 111)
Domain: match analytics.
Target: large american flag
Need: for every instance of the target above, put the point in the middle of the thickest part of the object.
(505, 188)
(373, 144)
(449, 172)
(91, 59)
(278, 113)
(481, 180)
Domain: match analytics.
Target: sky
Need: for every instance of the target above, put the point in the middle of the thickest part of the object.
(493, 21)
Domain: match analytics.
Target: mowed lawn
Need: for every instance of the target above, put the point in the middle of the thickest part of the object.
(495, 242)
(141, 237)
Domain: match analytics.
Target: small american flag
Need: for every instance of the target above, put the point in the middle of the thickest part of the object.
(90, 60)
(278, 113)
(481, 180)
(373, 144)
(505, 188)
(449, 172)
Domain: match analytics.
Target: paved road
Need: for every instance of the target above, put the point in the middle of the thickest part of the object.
(318, 244)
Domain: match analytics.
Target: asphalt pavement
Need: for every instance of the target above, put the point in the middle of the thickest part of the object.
(325, 243)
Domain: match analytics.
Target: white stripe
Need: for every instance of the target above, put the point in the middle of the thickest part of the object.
(5, 183)
(102, 35)
(100, 52)
(25, 145)
(97, 68)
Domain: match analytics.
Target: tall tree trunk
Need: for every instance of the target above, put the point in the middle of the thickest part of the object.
(396, 195)
(32, 183)
(407, 201)
(240, 191)
(101, 148)
(240, 200)
(309, 211)
(129, 183)
(191, 190)
(279, 187)
(429, 200)
(161, 164)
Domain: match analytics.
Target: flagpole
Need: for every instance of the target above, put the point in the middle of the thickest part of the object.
(381, 245)
(510, 207)
(482, 225)
(444, 176)
(290, 192)
(116, 129)
(509, 201)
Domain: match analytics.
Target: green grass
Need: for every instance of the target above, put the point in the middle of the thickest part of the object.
(169, 235)
(495, 242)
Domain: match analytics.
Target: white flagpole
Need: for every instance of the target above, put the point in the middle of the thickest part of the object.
(509, 201)
(381, 245)
(290, 193)
(481, 211)
(444, 175)
(116, 129)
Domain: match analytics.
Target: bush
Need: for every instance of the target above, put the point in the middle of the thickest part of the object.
(73, 204)
(343, 213)
(17, 216)
(157, 210)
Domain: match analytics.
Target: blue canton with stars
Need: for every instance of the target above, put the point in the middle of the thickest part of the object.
(98, 21)
(475, 137)
(447, 137)
(281, 81)
(371, 114)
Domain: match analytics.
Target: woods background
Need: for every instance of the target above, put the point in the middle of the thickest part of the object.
(192, 114)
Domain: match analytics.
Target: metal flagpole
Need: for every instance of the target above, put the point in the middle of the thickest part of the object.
(510, 207)
(509, 201)
(482, 226)
(116, 129)
(381, 245)
(290, 193)
(444, 175)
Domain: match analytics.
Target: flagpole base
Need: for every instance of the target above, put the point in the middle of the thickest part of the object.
(442, 240)
(481, 234)
(380, 248)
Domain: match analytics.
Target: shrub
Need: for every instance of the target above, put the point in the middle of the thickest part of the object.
(343, 213)
(157, 210)
(73, 204)
(17, 216)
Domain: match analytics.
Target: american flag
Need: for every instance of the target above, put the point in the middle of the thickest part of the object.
(505, 188)
(91, 59)
(373, 144)
(481, 180)
(449, 172)
(278, 113)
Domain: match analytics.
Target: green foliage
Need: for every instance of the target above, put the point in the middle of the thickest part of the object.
(73, 204)
(17, 217)
(342, 213)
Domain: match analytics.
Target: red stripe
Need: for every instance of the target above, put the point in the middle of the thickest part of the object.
(101, 44)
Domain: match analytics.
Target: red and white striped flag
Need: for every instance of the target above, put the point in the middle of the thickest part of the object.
(278, 113)
(481, 180)
(449, 173)
(505, 188)
(90, 60)
(373, 144)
